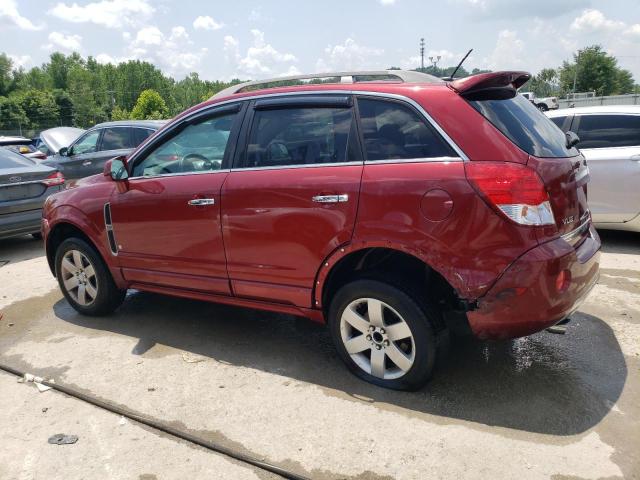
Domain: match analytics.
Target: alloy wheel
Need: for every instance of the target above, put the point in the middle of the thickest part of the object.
(377, 338)
(79, 277)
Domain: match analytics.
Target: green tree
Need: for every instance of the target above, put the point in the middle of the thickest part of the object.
(87, 111)
(6, 78)
(40, 108)
(545, 83)
(593, 69)
(119, 113)
(12, 116)
(150, 106)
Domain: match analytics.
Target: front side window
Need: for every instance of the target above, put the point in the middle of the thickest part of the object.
(198, 147)
(602, 131)
(300, 136)
(140, 135)
(116, 139)
(559, 121)
(395, 131)
(87, 144)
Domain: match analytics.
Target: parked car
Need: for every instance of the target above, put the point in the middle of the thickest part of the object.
(542, 103)
(23, 146)
(394, 211)
(87, 155)
(24, 186)
(610, 141)
(52, 140)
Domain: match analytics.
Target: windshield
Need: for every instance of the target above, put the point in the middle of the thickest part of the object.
(527, 127)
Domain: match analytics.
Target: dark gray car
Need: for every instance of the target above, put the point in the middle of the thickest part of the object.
(88, 154)
(24, 186)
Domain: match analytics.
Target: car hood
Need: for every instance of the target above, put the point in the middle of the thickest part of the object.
(60, 137)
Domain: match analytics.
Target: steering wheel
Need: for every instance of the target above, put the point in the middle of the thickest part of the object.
(187, 162)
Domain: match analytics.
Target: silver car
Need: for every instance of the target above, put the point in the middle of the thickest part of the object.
(610, 141)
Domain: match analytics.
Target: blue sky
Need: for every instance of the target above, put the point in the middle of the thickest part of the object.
(260, 39)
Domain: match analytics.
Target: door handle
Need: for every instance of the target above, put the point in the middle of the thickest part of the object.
(331, 198)
(199, 202)
(86, 162)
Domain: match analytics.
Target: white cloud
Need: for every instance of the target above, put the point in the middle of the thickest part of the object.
(10, 15)
(20, 61)
(149, 36)
(387, 2)
(60, 41)
(207, 23)
(173, 52)
(633, 30)
(593, 20)
(508, 53)
(447, 59)
(108, 13)
(348, 56)
(261, 58)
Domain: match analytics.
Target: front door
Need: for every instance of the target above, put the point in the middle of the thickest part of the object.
(611, 145)
(292, 196)
(80, 156)
(166, 222)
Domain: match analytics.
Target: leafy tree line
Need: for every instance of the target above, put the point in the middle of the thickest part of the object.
(71, 90)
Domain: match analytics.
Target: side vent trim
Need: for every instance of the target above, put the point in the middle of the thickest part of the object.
(109, 228)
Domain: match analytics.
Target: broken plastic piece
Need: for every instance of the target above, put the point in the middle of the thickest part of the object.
(62, 439)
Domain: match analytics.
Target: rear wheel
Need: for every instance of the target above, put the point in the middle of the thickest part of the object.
(542, 107)
(383, 335)
(85, 280)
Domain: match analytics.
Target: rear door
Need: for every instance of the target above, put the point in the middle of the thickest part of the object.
(611, 145)
(292, 196)
(115, 141)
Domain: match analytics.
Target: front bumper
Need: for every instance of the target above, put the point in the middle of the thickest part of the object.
(526, 299)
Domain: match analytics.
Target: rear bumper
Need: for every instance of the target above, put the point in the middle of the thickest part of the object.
(526, 299)
(21, 223)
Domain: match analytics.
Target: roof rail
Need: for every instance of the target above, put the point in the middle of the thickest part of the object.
(405, 76)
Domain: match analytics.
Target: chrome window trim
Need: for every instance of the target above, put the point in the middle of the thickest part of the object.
(414, 160)
(310, 165)
(393, 96)
(180, 174)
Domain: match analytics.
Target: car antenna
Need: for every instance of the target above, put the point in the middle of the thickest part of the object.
(450, 78)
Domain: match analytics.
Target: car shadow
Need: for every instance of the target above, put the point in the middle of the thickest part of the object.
(545, 383)
(614, 241)
(18, 249)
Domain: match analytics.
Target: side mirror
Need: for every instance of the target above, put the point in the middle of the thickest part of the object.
(117, 169)
(572, 139)
(64, 151)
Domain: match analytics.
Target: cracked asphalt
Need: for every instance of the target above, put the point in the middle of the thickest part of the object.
(270, 385)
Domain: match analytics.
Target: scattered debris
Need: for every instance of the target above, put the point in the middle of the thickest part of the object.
(193, 358)
(123, 421)
(29, 378)
(557, 329)
(151, 389)
(11, 324)
(62, 439)
(44, 410)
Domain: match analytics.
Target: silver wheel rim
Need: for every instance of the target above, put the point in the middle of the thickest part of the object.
(377, 338)
(79, 277)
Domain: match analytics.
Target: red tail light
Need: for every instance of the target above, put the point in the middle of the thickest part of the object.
(56, 178)
(516, 190)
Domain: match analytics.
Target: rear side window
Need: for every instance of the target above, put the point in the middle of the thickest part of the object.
(116, 139)
(559, 121)
(300, 136)
(395, 131)
(9, 159)
(140, 135)
(602, 131)
(520, 121)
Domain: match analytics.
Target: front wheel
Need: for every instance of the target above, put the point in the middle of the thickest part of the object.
(383, 335)
(542, 107)
(85, 280)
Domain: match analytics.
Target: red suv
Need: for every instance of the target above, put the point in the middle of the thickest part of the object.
(394, 206)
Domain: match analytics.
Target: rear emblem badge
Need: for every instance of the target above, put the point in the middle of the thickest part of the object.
(567, 220)
(15, 179)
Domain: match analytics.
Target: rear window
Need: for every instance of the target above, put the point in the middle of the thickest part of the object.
(140, 135)
(116, 139)
(602, 131)
(520, 121)
(9, 159)
(23, 149)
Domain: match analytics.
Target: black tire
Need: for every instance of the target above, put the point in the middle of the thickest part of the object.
(109, 297)
(37, 236)
(420, 320)
(542, 107)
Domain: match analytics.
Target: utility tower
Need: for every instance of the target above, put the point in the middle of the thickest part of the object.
(422, 53)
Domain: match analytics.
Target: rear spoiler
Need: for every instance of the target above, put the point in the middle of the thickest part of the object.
(490, 86)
